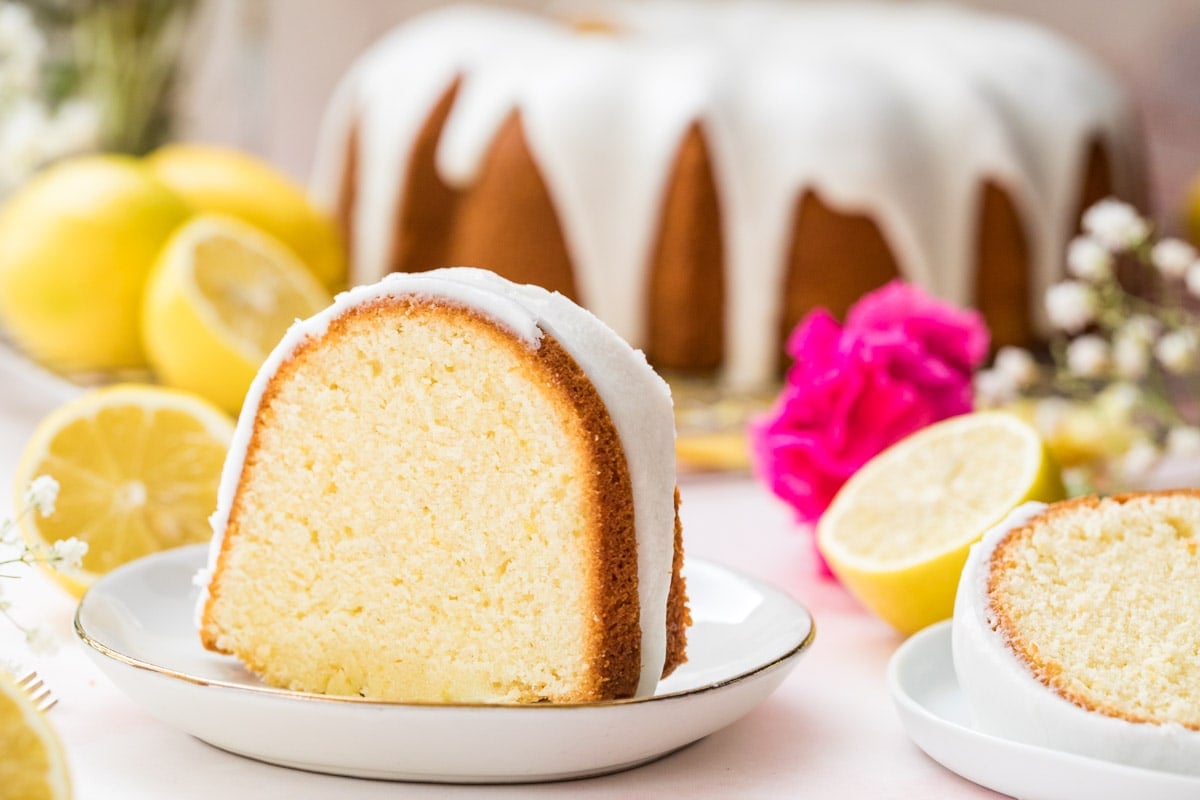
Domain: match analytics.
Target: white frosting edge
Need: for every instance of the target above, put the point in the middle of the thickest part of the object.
(638, 401)
(1006, 700)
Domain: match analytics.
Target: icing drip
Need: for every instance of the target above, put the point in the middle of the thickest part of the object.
(899, 113)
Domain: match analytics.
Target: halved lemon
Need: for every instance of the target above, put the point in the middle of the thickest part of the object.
(138, 468)
(220, 297)
(898, 532)
(32, 766)
(222, 180)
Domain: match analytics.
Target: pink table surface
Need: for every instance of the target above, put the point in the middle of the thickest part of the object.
(829, 731)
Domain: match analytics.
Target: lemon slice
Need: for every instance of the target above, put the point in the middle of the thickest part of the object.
(898, 532)
(220, 297)
(33, 766)
(137, 467)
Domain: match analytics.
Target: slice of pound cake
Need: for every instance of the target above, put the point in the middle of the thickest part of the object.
(1077, 627)
(450, 488)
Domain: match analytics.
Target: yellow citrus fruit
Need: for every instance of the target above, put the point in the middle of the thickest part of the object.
(1079, 433)
(220, 297)
(1193, 211)
(76, 244)
(897, 534)
(138, 468)
(226, 181)
(713, 451)
(32, 766)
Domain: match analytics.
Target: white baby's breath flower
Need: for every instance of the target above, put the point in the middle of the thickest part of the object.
(12, 666)
(1049, 415)
(42, 494)
(1172, 257)
(1132, 345)
(993, 388)
(1070, 305)
(41, 641)
(1141, 327)
(74, 128)
(22, 135)
(22, 48)
(1088, 356)
(1138, 460)
(10, 536)
(1183, 440)
(1017, 365)
(1131, 356)
(70, 552)
(1116, 225)
(18, 30)
(1192, 279)
(1089, 260)
(1119, 399)
(1176, 350)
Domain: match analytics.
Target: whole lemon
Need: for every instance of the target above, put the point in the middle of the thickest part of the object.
(1193, 210)
(76, 245)
(225, 181)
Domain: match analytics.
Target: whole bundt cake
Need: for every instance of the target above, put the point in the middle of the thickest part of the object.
(700, 175)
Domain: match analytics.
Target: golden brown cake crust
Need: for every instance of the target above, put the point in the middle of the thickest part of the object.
(1002, 280)
(507, 221)
(615, 645)
(1044, 669)
(685, 295)
(679, 616)
(424, 225)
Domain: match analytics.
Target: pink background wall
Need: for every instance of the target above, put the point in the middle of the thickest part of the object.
(262, 70)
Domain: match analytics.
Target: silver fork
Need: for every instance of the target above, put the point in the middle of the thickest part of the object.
(37, 690)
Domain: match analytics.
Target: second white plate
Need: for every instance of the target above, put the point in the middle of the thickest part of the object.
(925, 691)
(138, 625)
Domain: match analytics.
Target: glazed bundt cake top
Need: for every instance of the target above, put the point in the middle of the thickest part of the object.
(899, 113)
(636, 400)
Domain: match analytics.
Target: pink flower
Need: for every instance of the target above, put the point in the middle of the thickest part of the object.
(902, 361)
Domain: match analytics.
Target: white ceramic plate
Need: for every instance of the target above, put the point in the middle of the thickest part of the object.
(931, 706)
(137, 623)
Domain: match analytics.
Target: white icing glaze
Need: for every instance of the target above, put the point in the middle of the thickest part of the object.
(1005, 699)
(900, 113)
(638, 401)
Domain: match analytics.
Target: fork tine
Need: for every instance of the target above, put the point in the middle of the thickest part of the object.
(37, 690)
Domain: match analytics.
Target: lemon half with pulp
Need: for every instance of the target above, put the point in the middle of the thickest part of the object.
(219, 299)
(898, 532)
(138, 469)
(222, 180)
